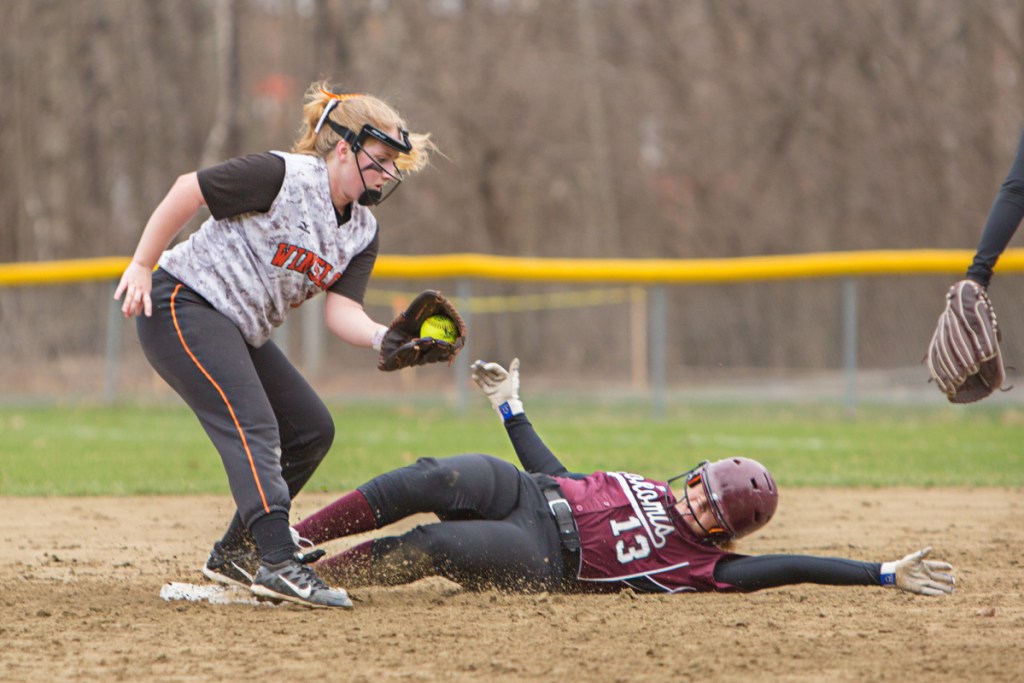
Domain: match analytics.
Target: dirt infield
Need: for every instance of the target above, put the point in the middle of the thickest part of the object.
(80, 581)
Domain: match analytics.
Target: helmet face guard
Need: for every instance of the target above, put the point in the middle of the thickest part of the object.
(720, 532)
(741, 494)
(369, 197)
(372, 197)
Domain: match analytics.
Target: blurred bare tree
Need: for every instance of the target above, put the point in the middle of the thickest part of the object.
(592, 128)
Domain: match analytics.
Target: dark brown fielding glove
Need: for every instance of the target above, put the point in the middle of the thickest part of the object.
(402, 345)
(963, 356)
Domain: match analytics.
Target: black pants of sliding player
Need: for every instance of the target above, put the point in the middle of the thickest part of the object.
(496, 528)
(267, 423)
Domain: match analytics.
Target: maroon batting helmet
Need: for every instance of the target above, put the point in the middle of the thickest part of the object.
(742, 494)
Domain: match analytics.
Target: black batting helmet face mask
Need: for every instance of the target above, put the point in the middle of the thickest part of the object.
(373, 196)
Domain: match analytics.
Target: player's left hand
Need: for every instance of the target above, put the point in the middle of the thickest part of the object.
(915, 574)
(402, 345)
(500, 386)
(963, 355)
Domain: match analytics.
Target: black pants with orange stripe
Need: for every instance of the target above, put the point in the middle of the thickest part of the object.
(269, 426)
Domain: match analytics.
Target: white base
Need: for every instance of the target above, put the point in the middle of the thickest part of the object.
(214, 594)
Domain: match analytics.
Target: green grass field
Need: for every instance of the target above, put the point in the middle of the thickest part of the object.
(89, 450)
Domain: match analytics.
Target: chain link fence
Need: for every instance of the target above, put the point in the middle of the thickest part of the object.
(842, 339)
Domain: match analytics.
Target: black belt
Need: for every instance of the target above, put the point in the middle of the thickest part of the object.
(561, 511)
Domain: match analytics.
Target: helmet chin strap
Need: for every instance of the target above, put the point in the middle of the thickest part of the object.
(370, 196)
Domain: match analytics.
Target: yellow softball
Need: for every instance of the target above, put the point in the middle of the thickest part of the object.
(439, 327)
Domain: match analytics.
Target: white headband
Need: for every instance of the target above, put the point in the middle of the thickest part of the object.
(323, 117)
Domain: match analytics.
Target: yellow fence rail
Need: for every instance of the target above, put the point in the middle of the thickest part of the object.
(639, 282)
(653, 271)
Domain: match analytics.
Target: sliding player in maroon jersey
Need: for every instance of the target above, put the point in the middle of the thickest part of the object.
(547, 529)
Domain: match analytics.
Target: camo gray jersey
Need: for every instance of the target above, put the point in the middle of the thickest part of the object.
(255, 266)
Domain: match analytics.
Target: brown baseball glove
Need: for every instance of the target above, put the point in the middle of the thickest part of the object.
(963, 356)
(403, 346)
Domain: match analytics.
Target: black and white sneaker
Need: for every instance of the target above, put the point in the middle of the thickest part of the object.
(296, 582)
(232, 567)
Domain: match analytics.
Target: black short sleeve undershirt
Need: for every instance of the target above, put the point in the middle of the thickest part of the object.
(243, 184)
(352, 284)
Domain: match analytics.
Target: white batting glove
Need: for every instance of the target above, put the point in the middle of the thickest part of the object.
(917, 575)
(501, 386)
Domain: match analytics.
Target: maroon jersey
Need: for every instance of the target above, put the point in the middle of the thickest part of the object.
(631, 534)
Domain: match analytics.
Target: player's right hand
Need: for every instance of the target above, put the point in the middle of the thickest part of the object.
(136, 284)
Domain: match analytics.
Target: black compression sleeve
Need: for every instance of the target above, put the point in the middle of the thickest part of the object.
(769, 571)
(533, 453)
(1003, 219)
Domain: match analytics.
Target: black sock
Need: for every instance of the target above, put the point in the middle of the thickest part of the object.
(237, 536)
(273, 537)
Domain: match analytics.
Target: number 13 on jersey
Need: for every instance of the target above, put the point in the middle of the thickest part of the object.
(632, 546)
